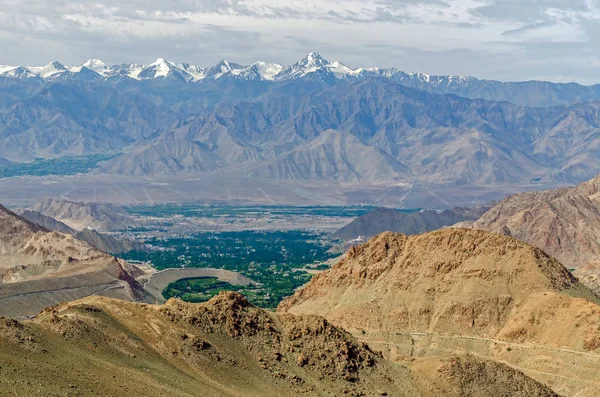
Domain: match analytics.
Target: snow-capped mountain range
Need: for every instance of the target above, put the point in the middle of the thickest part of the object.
(312, 64)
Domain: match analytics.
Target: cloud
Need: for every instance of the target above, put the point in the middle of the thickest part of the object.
(504, 39)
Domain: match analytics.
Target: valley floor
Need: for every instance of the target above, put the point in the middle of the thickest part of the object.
(233, 190)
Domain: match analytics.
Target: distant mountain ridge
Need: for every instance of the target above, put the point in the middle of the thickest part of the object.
(527, 93)
(390, 220)
(322, 123)
(356, 132)
(103, 217)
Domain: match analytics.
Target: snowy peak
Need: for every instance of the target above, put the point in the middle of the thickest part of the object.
(313, 60)
(259, 71)
(315, 63)
(222, 68)
(313, 66)
(164, 69)
(94, 65)
(51, 69)
(125, 70)
(17, 72)
(196, 72)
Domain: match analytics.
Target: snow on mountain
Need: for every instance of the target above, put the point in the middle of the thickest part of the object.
(342, 71)
(124, 70)
(309, 64)
(19, 72)
(222, 68)
(162, 69)
(95, 65)
(312, 64)
(196, 72)
(51, 69)
(6, 68)
(80, 74)
(315, 63)
(259, 71)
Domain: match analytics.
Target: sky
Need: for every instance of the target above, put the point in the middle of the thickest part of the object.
(511, 40)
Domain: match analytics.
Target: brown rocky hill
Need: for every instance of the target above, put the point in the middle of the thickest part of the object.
(103, 217)
(225, 347)
(390, 220)
(46, 221)
(565, 223)
(39, 268)
(461, 290)
(101, 241)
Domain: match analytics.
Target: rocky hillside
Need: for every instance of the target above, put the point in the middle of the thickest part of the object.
(107, 243)
(46, 221)
(39, 267)
(472, 284)
(103, 242)
(102, 217)
(334, 156)
(564, 223)
(390, 220)
(224, 347)
(461, 280)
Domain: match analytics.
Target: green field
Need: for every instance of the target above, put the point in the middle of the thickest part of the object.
(202, 289)
(215, 211)
(270, 258)
(59, 166)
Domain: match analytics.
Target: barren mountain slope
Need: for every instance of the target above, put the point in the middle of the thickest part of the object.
(100, 241)
(108, 243)
(167, 155)
(565, 223)
(451, 281)
(39, 268)
(462, 285)
(224, 347)
(44, 220)
(160, 127)
(334, 156)
(83, 215)
(389, 220)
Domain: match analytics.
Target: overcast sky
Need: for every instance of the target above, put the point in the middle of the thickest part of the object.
(556, 40)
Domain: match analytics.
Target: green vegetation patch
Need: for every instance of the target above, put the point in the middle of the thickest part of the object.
(271, 258)
(202, 289)
(59, 166)
(216, 211)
